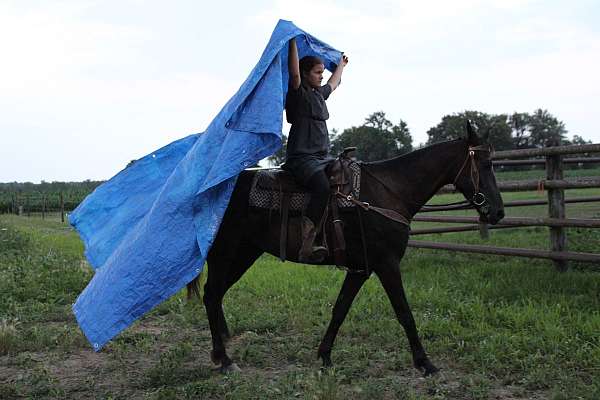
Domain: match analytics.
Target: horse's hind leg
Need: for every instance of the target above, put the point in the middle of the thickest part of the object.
(193, 291)
(392, 283)
(224, 269)
(247, 255)
(351, 286)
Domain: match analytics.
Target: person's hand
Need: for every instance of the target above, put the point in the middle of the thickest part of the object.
(344, 60)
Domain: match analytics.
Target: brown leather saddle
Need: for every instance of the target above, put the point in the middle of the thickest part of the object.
(270, 186)
(277, 190)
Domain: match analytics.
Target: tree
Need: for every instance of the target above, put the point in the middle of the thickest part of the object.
(539, 129)
(494, 129)
(545, 129)
(377, 139)
(402, 137)
(519, 123)
(378, 121)
(578, 140)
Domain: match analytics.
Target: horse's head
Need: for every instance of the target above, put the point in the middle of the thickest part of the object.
(476, 180)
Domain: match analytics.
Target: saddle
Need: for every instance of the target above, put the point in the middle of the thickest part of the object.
(277, 190)
(270, 186)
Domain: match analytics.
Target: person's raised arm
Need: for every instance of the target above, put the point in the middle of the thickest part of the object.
(293, 64)
(336, 77)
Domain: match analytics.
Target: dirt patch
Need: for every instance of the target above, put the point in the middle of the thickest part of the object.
(126, 367)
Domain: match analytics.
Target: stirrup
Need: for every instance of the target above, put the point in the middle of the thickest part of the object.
(319, 254)
(309, 251)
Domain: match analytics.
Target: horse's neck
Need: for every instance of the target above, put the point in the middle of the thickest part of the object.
(418, 176)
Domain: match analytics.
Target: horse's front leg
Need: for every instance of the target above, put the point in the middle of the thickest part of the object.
(352, 284)
(391, 280)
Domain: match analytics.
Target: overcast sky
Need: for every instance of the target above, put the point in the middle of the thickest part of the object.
(86, 86)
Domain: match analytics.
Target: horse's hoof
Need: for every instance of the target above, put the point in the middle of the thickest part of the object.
(225, 337)
(216, 360)
(230, 369)
(426, 367)
(326, 366)
(326, 360)
(430, 370)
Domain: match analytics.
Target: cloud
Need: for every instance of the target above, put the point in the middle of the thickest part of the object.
(43, 43)
(94, 84)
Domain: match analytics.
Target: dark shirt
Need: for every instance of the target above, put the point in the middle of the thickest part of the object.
(307, 112)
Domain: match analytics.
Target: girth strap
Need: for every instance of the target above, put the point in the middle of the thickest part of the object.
(363, 239)
(285, 208)
(339, 242)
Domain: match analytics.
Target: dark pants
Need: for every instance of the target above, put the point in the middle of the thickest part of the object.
(318, 186)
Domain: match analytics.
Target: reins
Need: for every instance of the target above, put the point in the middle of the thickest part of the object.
(478, 198)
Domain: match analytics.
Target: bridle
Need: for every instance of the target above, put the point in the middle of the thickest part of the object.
(478, 199)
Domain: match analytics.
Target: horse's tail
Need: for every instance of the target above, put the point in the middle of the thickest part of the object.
(193, 289)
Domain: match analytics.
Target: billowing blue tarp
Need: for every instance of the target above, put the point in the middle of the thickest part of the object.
(147, 231)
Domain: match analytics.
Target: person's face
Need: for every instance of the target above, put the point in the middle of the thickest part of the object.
(315, 76)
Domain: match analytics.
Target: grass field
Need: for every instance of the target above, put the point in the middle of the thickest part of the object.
(500, 328)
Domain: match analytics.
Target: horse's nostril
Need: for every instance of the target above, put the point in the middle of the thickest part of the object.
(500, 214)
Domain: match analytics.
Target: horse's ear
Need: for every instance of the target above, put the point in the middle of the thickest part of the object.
(471, 135)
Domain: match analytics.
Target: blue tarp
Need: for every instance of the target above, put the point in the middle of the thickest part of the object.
(147, 231)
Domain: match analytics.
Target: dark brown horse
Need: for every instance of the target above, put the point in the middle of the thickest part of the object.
(403, 184)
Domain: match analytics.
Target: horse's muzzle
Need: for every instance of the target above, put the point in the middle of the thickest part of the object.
(492, 218)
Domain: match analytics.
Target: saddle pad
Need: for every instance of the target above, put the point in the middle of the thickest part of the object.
(263, 194)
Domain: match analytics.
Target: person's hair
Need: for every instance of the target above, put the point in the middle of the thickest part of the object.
(307, 63)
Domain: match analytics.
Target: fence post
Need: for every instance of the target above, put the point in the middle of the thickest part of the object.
(484, 232)
(19, 205)
(62, 208)
(556, 208)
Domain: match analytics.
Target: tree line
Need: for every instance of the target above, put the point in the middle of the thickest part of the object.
(44, 187)
(379, 138)
(45, 195)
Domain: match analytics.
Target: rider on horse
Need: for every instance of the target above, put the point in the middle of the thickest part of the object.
(308, 142)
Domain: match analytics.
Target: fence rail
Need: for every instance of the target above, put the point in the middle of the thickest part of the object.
(547, 151)
(540, 184)
(519, 221)
(508, 251)
(539, 161)
(554, 184)
(455, 228)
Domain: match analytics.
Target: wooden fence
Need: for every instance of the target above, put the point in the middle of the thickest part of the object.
(555, 184)
(36, 204)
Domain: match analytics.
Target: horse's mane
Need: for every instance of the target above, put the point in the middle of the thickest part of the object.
(415, 154)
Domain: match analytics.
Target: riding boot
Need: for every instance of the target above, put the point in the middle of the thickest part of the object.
(309, 252)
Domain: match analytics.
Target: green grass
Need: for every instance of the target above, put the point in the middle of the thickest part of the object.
(498, 327)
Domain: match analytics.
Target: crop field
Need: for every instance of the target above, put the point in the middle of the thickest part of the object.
(498, 327)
